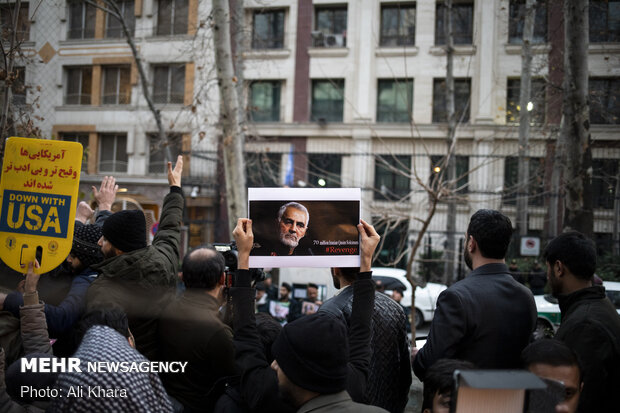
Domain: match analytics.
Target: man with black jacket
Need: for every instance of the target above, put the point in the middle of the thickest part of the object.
(259, 383)
(590, 324)
(488, 317)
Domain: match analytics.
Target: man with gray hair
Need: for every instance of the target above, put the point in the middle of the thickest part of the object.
(291, 224)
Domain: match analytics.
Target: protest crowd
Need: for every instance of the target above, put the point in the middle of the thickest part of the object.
(155, 332)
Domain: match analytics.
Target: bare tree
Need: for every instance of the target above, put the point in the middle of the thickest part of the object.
(111, 7)
(575, 128)
(524, 118)
(233, 137)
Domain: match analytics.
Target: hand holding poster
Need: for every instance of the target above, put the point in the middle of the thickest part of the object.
(299, 227)
(38, 193)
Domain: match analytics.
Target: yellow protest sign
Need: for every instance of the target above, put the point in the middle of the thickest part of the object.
(38, 200)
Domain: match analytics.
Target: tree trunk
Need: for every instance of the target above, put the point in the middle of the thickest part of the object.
(524, 118)
(576, 123)
(232, 138)
(449, 251)
(239, 38)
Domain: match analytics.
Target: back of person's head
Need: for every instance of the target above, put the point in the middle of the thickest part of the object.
(575, 251)
(492, 231)
(349, 273)
(439, 379)
(260, 286)
(268, 331)
(550, 352)
(126, 230)
(110, 316)
(203, 267)
(312, 351)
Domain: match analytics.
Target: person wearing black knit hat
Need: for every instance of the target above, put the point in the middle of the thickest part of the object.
(85, 251)
(319, 364)
(141, 279)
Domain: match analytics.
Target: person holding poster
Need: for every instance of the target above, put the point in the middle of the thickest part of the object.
(313, 354)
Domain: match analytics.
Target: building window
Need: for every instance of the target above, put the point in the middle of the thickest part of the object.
(536, 105)
(324, 170)
(113, 27)
(81, 20)
(18, 87)
(157, 152)
(81, 138)
(604, 100)
(116, 85)
(392, 177)
(265, 101)
(172, 17)
(461, 100)
(462, 23)
(517, 19)
(79, 85)
(327, 100)
(6, 22)
(268, 29)
(438, 164)
(536, 186)
(604, 21)
(397, 24)
(263, 169)
(169, 84)
(331, 27)
(394, 100)
(604, 174)
(113, 152)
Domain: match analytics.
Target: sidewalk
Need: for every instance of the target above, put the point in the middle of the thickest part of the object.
(414, 405)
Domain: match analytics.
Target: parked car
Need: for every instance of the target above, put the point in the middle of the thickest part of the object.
(425, 298)
(549, 311)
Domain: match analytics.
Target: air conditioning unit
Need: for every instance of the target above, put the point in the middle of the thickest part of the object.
(333, 40)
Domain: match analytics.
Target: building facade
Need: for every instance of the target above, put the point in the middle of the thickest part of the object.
(338, 94)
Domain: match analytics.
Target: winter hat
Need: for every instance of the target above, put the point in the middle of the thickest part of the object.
(85, 238)
(313, 351)
(126, 230)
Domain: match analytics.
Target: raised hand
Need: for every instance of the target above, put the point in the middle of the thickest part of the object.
(369, 241)
(245, 239)
(106, 194)
(174, 175)
(32, 279)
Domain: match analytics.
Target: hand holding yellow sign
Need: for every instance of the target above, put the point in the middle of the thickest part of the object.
(38, 197)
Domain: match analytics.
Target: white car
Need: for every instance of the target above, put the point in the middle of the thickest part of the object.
(425, 298)
(549, 311)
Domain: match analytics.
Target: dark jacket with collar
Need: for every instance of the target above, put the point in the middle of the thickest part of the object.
(143, 281)
(190, 330)
(591, 327)
(486, 318)
(336, 403)
(389, 377)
